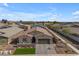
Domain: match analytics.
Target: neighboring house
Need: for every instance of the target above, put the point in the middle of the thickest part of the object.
(9, 32)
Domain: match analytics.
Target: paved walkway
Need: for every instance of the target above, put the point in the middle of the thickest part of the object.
(45, 49)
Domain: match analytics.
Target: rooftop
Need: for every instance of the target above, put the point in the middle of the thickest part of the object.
(10, 31)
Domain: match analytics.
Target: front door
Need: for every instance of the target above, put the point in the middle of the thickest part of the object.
(33, 39)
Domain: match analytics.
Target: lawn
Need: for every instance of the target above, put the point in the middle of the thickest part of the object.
(22, 51)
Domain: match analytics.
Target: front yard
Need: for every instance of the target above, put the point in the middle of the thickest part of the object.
(22, 51)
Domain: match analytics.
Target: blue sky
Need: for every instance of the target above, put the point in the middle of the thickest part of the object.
(39, 11)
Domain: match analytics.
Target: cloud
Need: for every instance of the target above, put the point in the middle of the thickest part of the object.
(76, 13)
(52, 9)
(75, 16)
(13, 15)
(5, 4)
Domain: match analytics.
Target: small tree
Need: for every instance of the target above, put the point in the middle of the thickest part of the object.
(20, 21)
(4, 21)
(54, 22)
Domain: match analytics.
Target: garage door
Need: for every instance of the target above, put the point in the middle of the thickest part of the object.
(44, 41)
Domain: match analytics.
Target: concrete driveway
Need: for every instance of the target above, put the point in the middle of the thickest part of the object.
(45, 49)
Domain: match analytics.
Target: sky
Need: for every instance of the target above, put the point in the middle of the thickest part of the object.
(65, 12)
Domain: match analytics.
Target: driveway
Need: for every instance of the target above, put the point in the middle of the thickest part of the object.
(45, 49)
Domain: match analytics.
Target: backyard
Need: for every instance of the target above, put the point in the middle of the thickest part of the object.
(21, 51)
